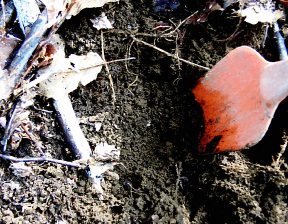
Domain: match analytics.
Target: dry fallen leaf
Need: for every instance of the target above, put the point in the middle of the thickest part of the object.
(263, 13)
(104, 152)
(66, 78)
(53, 9)
(19, 115)
(101, 22)
(83, 4)
(7, 45)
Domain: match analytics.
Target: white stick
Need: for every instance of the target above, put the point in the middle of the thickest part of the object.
(72, 131)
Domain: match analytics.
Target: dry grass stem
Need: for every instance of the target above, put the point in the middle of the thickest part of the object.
(107, 69)
(278, 162)
(169, 54)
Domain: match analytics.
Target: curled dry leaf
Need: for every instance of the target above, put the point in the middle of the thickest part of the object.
(3, 122)
(60, 77)
(258, 13)
(83, 4)
(65, 78)
(96, 171)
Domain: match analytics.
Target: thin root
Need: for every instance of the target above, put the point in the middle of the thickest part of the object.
(234, 34)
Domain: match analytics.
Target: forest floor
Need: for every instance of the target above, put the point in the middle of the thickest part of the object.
(155, 121)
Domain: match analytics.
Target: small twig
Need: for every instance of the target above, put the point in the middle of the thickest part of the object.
(169, 54)
(42, 110)
(107, 69)
(18, 65)
(280, 42)
(163, 34)
(40, 159)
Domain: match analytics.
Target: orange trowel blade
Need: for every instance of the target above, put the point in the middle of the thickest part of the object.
(233, 108)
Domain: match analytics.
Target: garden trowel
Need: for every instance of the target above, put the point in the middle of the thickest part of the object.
(239, 96)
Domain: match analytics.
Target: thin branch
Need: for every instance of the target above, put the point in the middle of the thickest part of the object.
(40, 159)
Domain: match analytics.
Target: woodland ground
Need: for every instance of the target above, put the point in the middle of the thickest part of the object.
(155, 121)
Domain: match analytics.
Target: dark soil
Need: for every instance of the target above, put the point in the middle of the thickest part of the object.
(156, 122)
